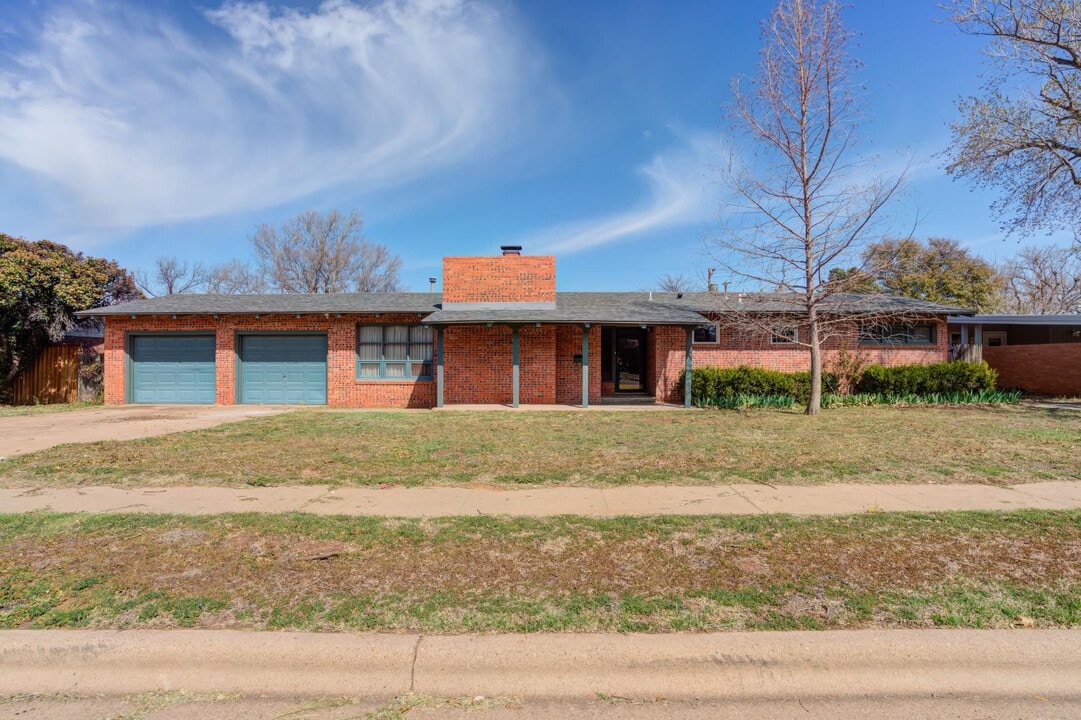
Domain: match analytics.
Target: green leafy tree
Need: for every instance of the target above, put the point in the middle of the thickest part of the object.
(854, 279)
(1023, 134)
(42, 285)
(939, 270)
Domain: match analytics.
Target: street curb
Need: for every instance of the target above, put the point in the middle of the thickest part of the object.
(715, 666)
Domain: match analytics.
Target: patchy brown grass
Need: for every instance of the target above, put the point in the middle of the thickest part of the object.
(874, 445)
(19, 410)
(468, 574)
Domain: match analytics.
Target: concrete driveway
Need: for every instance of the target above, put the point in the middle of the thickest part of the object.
(21, 434)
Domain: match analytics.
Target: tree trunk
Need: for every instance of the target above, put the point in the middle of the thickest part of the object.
(814, 403)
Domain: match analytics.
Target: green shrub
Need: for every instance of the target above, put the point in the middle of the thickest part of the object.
(720, 387)
(940, 378)
(750, 401)
(963, 397)
(942, 383)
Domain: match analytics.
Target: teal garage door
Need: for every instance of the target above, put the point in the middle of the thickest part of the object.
(283, 369)
(172, 369)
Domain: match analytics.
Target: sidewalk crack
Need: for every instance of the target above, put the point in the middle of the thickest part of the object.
(413, 666)
(746, 499)
(327, 493)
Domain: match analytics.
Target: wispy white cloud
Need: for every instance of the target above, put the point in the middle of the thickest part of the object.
(134, 120)
(677, 182)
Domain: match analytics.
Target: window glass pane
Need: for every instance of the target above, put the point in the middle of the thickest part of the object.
(921, 334)
(884, 334)
(706, 334)
(370, 334)
(370, 352)
(394, 351)
(783, 335)
(420, 352)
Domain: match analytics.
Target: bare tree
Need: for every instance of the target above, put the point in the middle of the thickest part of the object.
(316, 253)
(235, 278)
(802, 202)
(675, 284)
(172, 276)
(1043, 281)
(1027, 143)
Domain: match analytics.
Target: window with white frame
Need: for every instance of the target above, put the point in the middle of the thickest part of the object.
(706, 334)
(784, 334)
(394, 352)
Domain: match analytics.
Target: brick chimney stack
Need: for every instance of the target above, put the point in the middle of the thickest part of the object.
(507, 278)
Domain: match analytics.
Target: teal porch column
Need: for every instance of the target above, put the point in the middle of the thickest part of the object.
(585, 365)
(514, 370)
(687, 369)
(439, 367)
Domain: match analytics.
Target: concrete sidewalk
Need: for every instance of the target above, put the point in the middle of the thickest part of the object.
(548, 501)
(729, 666)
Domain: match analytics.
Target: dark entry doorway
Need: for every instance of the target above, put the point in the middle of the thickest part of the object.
(629, 360)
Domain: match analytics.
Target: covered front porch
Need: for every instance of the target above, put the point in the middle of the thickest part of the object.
(556, 364)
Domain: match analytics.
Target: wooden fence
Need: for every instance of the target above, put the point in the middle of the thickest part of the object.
(54, 378)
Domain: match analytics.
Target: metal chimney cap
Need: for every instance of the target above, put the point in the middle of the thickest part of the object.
(511, 249)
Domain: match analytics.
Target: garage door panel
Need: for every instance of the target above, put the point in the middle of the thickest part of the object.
(283, 369)
(173, 369)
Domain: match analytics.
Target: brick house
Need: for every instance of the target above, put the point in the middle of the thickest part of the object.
(1036, 353)
(499, 333)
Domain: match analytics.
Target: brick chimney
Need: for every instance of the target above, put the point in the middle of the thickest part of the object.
(507, 278)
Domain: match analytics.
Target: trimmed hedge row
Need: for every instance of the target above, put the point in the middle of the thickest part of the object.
(731, 387)
(720, 386)
(940, 378)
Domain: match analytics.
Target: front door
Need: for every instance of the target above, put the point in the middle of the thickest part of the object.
(630, 360)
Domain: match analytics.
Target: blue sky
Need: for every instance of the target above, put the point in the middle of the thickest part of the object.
(583, 129)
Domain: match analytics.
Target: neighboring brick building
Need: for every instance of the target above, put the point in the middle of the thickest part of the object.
(1036, 353)
(498, 333)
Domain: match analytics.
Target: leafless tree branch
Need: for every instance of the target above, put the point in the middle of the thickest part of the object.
(803, 201)
(317, 253)
(172, 276)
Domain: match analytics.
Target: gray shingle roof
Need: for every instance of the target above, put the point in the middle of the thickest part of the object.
(630, 308)
(195, 304)
(846, 303)
(612, 308)
(1066, 320)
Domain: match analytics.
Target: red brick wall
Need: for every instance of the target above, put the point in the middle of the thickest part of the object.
(1053, 369)
(478, 359)
(569, 373)
(343, 388)
(504, 278)
(666, 347)
(478, 365)
(736, 348)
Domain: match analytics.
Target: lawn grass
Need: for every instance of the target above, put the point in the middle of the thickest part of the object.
(483, 574)
(20, 410)
(1003, 445)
